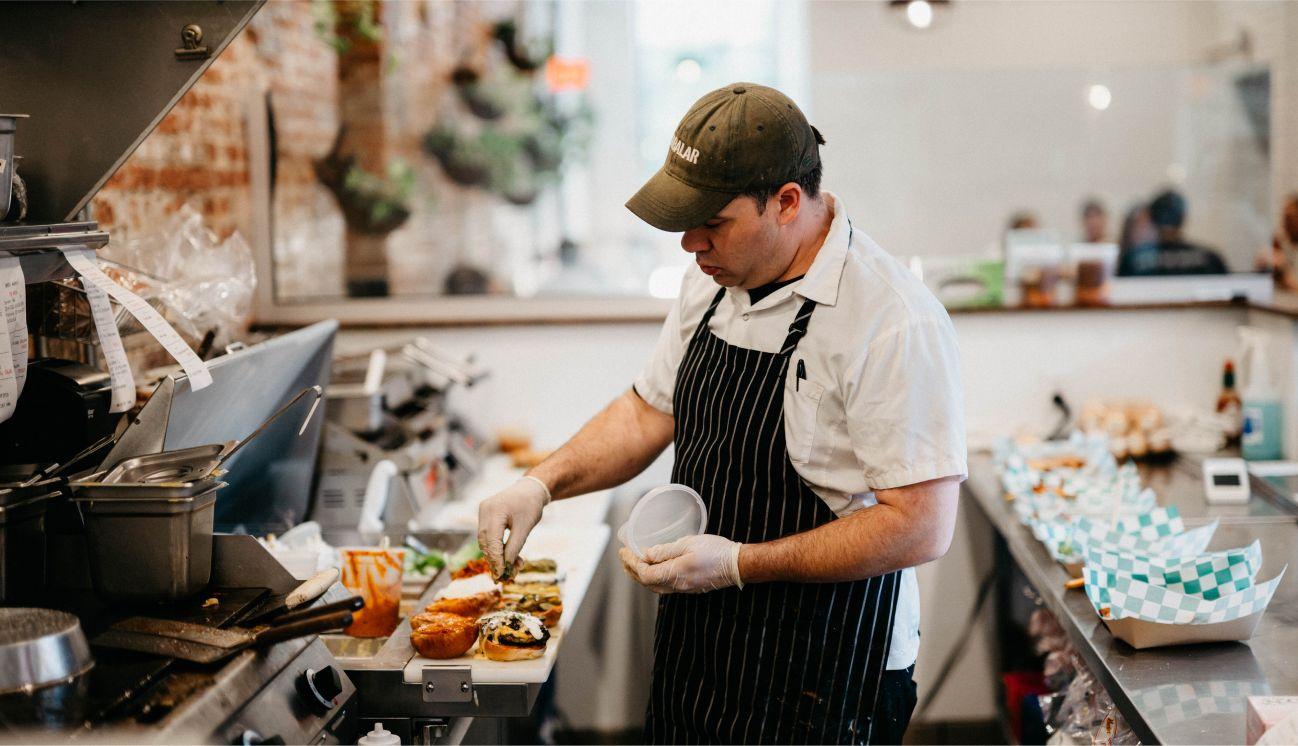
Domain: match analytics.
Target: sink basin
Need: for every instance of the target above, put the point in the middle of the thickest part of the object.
(343, 646)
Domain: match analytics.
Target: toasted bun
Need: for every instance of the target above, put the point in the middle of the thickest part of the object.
(443, 635)
(468, 606)
(498, 652)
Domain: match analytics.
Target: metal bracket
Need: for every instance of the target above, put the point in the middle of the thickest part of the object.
(447, 684)
(192, 37)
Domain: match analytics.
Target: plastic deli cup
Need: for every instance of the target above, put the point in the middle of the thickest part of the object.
(662, 516)
(375, 575)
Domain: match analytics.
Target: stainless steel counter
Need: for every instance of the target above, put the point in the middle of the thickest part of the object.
(1188, 694)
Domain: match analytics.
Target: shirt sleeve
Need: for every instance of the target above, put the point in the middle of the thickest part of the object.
(905, 406)
(656, 383)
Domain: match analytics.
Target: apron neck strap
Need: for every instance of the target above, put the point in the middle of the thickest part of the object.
(798, 329)
(707, 315)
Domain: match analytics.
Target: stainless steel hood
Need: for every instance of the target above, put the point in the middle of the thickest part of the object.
(96, 78)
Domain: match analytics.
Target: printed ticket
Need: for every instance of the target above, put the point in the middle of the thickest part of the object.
(86, 265)
(110, 341)
(13, 294)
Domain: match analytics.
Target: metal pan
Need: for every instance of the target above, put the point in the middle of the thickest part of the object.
(184, 465)
(94, 487)
(200, 643)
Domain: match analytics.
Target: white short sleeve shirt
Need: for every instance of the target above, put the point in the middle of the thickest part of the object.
(881, 406)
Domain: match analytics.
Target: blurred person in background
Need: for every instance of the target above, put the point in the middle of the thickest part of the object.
(1024, 220)
(1095, 221)
(1137, 228)
(1171, 254)
(1281, 258)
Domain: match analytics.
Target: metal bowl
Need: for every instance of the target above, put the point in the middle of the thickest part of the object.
(44, 659)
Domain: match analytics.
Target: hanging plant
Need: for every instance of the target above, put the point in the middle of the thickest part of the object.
(482, 100)
(357, 22)
(372, 205)
(463, 160)
(524, 59)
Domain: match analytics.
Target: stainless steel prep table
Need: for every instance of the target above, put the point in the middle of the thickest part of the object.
(1187, 694)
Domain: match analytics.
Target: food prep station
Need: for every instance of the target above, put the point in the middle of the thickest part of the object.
(134, 602)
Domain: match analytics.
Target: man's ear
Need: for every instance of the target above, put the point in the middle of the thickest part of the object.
(790, 201)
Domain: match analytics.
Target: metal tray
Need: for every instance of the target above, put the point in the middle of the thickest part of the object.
(184, 465)
(95, 488)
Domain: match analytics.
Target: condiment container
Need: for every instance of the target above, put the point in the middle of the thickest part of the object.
(665, 514)
(379, 737)
(374, 573)
(149, 548)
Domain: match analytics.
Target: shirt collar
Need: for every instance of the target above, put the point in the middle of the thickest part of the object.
(822, 278)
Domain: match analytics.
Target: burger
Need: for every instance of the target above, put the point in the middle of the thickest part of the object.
(513, 636)
(538, 599)
(438, 635)
(472, 597)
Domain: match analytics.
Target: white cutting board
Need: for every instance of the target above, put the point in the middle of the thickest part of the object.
(577, 551)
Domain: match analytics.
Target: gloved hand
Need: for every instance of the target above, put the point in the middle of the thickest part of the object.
(517, 507)
(695, 564)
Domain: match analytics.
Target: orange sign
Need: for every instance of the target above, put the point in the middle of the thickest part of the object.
(567, 73)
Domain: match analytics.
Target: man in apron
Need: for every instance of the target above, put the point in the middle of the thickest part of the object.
(814, 402)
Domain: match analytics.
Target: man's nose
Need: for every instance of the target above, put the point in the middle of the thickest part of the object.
(695, 240)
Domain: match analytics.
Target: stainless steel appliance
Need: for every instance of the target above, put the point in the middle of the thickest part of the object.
(292, 690)
(270, 480)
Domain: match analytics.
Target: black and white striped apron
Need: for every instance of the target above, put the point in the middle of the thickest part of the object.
(774, 662)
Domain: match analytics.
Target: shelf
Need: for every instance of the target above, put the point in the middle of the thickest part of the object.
(38, 247)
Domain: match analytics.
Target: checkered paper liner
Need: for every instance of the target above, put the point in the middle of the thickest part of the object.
(1058, 540)
(1123, 596)
(1122, 497)
(1177, 703)
(1210, 575)
(1154, 525)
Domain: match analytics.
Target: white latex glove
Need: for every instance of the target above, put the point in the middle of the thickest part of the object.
(695, 564)
(517, 507)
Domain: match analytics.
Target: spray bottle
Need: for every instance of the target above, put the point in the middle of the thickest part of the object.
(1261, 439)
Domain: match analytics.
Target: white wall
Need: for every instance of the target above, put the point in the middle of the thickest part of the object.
(936, 137)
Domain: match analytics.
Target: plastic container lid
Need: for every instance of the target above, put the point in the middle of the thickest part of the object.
(379, 737)
(662, 516)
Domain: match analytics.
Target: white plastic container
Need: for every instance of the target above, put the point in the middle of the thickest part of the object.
(665, 514)
(379, 737)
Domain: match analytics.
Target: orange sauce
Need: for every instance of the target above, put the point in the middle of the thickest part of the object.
(375, 575)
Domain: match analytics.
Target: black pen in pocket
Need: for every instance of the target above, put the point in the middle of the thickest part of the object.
(801, 375)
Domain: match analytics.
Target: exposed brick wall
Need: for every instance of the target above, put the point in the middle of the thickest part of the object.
(198, 153)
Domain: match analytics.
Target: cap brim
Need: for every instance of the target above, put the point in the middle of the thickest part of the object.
(669, 204)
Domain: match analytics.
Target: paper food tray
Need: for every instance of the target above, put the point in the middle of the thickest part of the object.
(1145, 615)
(1141, 634)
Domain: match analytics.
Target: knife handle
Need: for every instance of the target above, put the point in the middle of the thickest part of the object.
(310, 626)
(312, 588)
(355, 603)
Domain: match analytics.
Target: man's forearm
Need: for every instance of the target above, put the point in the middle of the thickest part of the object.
(869, 542)
(614, 446)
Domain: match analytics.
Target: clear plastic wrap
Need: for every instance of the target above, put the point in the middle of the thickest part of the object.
(207, 284)
(1083, 712)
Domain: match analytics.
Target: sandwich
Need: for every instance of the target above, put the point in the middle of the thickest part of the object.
(513, 636)
(538, 599)
(472, 597)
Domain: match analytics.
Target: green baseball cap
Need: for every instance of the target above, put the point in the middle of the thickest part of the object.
(732, 140)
